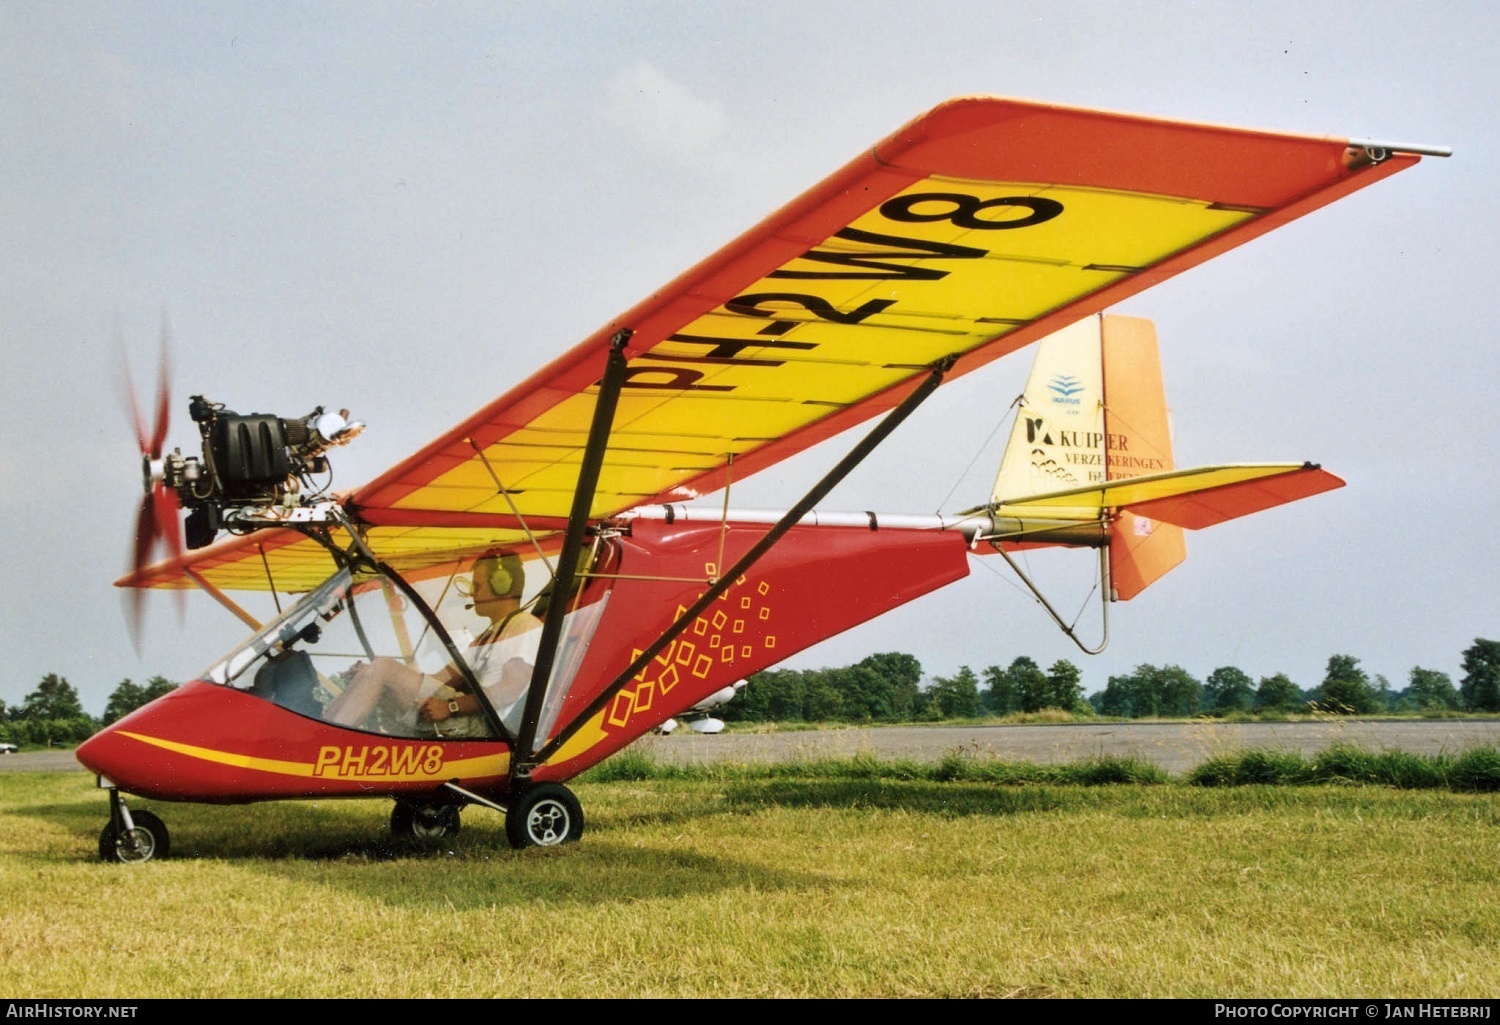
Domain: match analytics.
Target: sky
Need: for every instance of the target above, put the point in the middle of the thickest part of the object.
(403, 209)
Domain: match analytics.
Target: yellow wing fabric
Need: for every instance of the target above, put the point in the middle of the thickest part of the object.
(286, 560)
(974, 230)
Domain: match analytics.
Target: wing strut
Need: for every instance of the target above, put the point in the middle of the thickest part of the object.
(504, 493)
(567, 558)
(727, 578)
(222, 598)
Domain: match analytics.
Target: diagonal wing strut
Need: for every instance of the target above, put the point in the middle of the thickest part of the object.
(819, 490)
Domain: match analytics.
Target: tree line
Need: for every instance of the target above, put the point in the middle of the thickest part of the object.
(888, 687)
(1346, 689)
(52, 715)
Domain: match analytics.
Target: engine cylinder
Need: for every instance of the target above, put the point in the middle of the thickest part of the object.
(250, 451)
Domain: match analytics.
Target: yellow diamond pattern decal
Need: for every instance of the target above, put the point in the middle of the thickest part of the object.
(663, 675)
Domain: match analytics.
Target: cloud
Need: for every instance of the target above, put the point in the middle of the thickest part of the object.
(665, 115)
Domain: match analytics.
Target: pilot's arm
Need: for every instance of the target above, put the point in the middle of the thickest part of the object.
(515, 677)
(436, 709)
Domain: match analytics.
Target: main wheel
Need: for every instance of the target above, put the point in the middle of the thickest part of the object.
(146, 841)
(424, 821)
(543, 816)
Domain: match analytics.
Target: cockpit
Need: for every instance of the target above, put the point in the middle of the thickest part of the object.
(450, 656)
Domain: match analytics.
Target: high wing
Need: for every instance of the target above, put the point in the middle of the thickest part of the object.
(974, 230)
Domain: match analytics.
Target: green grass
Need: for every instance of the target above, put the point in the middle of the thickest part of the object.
(633, 765)
(1475, 771)
(822, 879)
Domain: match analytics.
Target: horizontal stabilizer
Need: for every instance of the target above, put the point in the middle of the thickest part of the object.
(1216, 503)
(1192, 498)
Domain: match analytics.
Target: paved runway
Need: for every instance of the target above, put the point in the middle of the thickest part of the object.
(1176, 747)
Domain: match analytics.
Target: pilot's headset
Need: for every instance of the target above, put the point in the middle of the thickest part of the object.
(505, 574)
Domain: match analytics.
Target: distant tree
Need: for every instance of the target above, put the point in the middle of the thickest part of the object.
(1152, 691)
(1430, 690)
(957, 696)
(1181, 693)
(1385, 697)
(821, 699)
(999, 695)
(883, 687)
(1031, 686)
(1346, 688)
(1120, 697)
(775, 695)
(902, 681)
(862, 694)
(788, 697)
(50, 716)
(1146, 688)
(1278, 693)
(129, 696)
(54, 698)
(1228, 689)
(1021, 687)
(1064, 686)
(125, 698)
(896, 666)
(1480, 685)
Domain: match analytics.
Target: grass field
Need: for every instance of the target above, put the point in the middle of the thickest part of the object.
(817, 881)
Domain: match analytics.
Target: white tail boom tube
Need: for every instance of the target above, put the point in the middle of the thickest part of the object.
(979, 525)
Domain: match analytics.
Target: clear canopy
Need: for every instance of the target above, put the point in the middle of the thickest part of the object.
(370, 652)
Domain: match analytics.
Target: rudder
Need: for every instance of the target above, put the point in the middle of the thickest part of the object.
(1139, 433)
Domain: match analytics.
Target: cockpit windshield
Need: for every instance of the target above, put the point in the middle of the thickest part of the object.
(360, 652)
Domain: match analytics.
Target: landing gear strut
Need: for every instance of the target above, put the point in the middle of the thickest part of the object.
(132, 837)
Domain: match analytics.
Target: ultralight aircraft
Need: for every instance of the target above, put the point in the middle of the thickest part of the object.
(531, 592)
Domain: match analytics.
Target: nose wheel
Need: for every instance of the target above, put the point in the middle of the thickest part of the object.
(132, 837)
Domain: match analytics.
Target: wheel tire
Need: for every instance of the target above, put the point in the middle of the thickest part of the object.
(146, 841)
(425, 822)
(544, 816)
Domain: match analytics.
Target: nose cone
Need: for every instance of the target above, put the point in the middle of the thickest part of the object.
(100, 754)
(145, 753)
(115, 752)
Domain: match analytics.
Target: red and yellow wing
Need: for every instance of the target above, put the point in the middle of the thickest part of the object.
(976, 229)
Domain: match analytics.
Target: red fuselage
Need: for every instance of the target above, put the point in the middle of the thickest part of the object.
(214, 743)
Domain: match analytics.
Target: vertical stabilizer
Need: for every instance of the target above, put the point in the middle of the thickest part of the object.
(1139, 441)
(1095, 410)
(1057, 442)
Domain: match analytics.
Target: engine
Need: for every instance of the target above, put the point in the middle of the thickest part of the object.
(256, 470)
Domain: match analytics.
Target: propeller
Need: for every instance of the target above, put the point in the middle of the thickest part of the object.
(157, 523)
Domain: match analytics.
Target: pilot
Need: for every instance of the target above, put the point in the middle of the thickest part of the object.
(501, 657)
